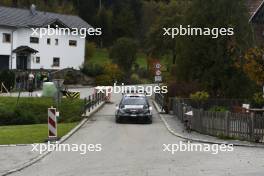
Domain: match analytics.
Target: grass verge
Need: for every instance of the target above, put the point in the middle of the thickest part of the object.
(27, 134)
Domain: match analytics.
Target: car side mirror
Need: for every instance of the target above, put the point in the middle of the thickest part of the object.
(150, 108)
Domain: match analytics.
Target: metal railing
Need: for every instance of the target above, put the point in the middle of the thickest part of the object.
(92, 101)
(159, 98)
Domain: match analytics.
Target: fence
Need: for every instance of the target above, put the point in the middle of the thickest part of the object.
(242, 126)
(159, 98)
(92, 101)
(230, 104)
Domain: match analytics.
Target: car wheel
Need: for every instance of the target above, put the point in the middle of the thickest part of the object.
(118, 120)
(149, 121)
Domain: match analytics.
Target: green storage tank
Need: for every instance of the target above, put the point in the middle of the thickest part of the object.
(49, 89)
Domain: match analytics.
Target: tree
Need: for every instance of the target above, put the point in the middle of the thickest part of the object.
(253, 65)
(171, 15)
(123, 53)
(210, 61)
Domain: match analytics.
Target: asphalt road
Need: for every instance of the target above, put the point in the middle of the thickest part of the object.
(137, 150)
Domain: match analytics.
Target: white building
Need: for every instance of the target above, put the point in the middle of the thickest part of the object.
(20, 49)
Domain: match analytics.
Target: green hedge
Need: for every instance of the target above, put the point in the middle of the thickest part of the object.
(34, 110)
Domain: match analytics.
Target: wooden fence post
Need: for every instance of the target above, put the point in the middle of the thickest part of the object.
(227, 123)
(251, 127)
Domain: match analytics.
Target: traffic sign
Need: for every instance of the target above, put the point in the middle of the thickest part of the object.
(158, 78)
(158, 72)
(158, 66)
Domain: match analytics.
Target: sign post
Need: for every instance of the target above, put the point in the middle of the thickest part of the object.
(158, 77)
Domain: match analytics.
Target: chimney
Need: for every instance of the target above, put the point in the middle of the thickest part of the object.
(33, 9)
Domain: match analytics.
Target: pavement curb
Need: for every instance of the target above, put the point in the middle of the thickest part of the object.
(63, 139)
(195, 139)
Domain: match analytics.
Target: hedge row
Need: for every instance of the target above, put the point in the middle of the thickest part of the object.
(34, 110)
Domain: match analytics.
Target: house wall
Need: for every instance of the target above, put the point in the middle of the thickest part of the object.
(69, 56)
(5, 48)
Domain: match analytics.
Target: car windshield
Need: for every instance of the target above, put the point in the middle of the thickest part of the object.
(134, 101)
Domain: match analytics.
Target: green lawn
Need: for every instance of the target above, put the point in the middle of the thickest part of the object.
(101, 57)
(27, 134)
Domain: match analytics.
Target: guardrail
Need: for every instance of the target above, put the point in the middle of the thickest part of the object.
(92, 101)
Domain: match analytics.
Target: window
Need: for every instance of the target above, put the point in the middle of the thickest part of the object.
(6, 38)
(56, 62)
(37, 60)
(72, 42)
(56, 41)
(34, 40)
(48, 41)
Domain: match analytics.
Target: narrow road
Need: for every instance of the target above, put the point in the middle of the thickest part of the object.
(137, 150)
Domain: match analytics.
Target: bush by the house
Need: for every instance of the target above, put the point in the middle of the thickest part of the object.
(34, 110)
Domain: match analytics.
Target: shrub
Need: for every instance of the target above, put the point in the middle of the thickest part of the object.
(103, 80)
(71, 78)
(123, 53)
(90, 50)
(182, 89)
(218, 109)
(114, 72)
(258, 100)
(200, 96)
(34, 110)
(92, 70)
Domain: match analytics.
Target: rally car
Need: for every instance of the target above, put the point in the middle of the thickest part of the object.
(134, 107)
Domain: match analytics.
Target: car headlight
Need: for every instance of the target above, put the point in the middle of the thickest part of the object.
(146, 109)
(122, 111)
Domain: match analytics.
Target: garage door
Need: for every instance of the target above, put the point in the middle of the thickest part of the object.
(4, 62)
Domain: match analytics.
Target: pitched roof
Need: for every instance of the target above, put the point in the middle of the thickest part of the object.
(14, 17)
(254, 7)
(24, 49)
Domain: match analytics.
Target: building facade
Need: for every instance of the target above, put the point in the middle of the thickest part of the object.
(22, 49)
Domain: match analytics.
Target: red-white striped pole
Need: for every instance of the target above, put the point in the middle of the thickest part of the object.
(52, 123)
